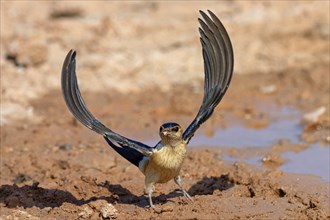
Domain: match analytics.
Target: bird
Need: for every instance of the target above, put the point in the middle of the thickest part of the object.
(162, 162)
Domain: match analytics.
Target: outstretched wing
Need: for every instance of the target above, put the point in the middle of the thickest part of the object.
(218, 68)
(78, 108)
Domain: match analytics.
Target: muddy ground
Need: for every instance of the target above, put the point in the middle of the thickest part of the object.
(140, 65)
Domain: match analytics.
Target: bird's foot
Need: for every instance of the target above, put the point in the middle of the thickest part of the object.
(156, 209)
(151, 204)
(187, 196)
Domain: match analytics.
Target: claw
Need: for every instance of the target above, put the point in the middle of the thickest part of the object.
(177, 180)
(187, 196)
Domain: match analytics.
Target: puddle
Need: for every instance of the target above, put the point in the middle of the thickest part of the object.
(314, 160)
(285, 124)
(240, 136)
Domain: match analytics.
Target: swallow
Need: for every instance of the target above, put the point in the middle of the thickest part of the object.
(162, 162)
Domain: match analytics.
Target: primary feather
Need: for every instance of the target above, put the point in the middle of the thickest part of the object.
(218, 68)
(78, 108)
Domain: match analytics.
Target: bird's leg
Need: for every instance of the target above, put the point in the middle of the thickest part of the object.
(177, 180)
(149, 190)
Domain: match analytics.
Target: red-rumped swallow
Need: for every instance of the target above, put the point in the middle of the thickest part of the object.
(163, 162)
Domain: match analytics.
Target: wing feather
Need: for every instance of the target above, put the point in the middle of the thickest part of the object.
(218, 68)
(78, 107)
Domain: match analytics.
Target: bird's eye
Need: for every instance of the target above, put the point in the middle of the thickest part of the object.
(175, 129)
(161, 129)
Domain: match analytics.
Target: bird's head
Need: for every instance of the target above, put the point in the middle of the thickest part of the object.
(171, 133)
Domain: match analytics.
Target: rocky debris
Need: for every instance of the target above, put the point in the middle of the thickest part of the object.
(273, 161)
(314, 115)
(108, 211)
(86, 212)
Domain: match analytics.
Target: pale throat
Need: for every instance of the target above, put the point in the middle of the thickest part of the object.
(171, 141)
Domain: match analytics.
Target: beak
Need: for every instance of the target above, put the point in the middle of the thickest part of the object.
(165, 133)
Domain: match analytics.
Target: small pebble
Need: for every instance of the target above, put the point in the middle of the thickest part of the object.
(268, 89)
(86, 213)
(108, 211)
(314, 115)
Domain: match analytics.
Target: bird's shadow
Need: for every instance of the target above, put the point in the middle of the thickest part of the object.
(208, 185)
(205, 186)
(27, 196)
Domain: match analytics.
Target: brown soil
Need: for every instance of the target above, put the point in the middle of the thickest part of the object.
(129, 57)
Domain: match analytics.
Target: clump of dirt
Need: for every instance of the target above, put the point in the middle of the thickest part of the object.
(273, 161)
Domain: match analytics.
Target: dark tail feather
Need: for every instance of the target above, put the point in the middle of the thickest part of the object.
(129, 154)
